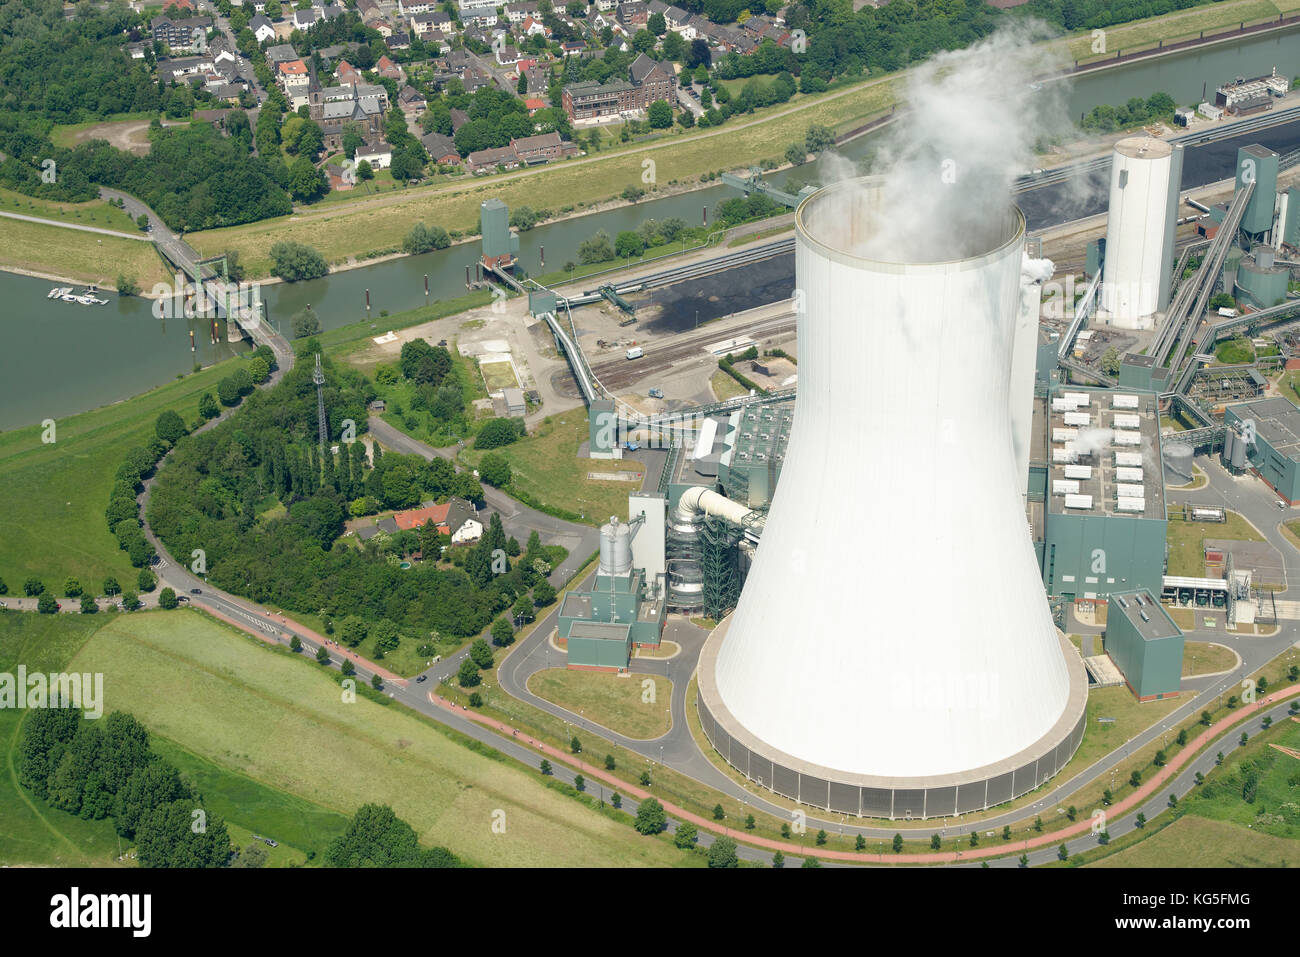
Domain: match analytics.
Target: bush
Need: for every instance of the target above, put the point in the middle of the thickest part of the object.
(468, 676)
(494, 470)
(496, 433)
(294, 262)
(722, 853)
(167, 599)
(650, 817)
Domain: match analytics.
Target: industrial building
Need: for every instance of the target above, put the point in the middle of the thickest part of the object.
(1264, 437)
(1144, 181)
(865, 685)
(1145, 644)
(626, 604)
(1104, 523)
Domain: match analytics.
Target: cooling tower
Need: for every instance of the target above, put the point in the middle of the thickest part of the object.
(893, 653)
(1144, 178)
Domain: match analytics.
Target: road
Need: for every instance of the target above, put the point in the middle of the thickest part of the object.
(85, 229)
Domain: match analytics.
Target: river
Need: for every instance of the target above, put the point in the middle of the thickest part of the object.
(61, 358)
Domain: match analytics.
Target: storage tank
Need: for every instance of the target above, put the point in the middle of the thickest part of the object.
(894, 703)
(1239, 450)
(615, 548)
(1138, 244)
(1229, 443)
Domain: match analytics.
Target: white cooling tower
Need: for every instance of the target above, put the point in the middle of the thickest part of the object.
(893, 652)
(1139, 233)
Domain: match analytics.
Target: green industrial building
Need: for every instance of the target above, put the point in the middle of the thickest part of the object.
(602, 626)
(1145, 644)
(1274, 455)
(1259, 165)
(754, 451)
(500, 244)
(1097, 493)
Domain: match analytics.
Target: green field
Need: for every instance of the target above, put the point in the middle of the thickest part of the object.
(725, 387)
(95, 213)
(1180, 25)
(1206, 658)
(1197, 842)
(546, 465)
(78, 256)
(31, 832)
(1187, 541)
(282, 724)
(60, 530)
(615, 702)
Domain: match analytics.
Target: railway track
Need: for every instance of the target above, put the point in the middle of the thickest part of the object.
(616, 374)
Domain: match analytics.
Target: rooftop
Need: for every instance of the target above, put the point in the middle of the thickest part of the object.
(1144, 613)
(1103, 454)
(1277, 422)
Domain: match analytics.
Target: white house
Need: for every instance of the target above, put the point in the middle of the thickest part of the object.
(379, 155)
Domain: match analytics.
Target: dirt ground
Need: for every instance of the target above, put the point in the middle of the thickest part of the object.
(129, 135)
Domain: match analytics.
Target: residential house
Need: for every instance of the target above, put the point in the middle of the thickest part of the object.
(470, 8)
(340, 180)
(384, 28)
(282, 53)
(506, 55)
(458, 119)
(409, 8)
(398, 41)
(378, 154)
(427, 25)
(179, 68)
(475, 79)
(136, 50)
(633, 15)
(503, 156)
(590, 99)
(529, 26)
(347, 74)
(412, 103)
(538, 79)
(334, 107)
(304, 20)
(573, 47)
(441, 149)
(532, 150)
(330, 11)
(653, 80)
(516, 12)
(369, 9)
(676, 19)
(535, 103)
(180, 35)
(390, 70)
(457, 518)
(604, 6)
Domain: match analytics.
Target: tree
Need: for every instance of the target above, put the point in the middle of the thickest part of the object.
(778, 860)
(376, 681)
(365, 171)
(1006, 832)
(650, 817)
(376, 837)
(1135, 778)
(46, 604)
(1140, 820)
(142, 222)
(685, 836)
(1206, 718)
(33, 586)
(475, 699)
(644, 780)
(255, 855)
(424, 364)
(616, 800)
(750, 822)
(126, 286)
(169, 427)
(629, 244)
(258, 370)
(146, 580)
(596, 249)
(496, 433)
(502, 633)
(88, 606)
(167, 599)
(494, 470)
(898, 843)
(575, 745)
(322, 655)
(348, 669)
(422, 238)
(657, 25)
(1158, 761)
(165, 838)
(468, 674)
(579, 782)
(307, 183)
(795, 154)
(71, 587)
(821, 838)
(722, 853)
(306, 324)
(1062, 852)
(295, 644)
(935, 842)
(545, 767)
(610, 763)
(208, 408)
(1110, 362)
(543, 593)
(480, 652)
(294, 262)
(130, 601)
(660, 115)
(718, 813)
(818, 138)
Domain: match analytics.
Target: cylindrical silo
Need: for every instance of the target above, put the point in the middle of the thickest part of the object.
(615, 548)
(1240, 448)
(1229, 440)
(1136, 236)
(1178, 461)
(893, 634)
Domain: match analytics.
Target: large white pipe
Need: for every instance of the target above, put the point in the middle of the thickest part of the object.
(894, 623)
(699, 498)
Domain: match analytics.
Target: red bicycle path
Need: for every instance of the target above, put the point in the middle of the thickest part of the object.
(1056, 837)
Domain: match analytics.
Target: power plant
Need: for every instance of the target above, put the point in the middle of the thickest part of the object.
(846, 678)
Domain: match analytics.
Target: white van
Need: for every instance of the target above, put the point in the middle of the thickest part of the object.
(636, 352)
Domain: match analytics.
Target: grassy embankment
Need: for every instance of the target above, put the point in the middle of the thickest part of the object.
(63, 486)
(1187, 541)
(281, 723)
(623, 705)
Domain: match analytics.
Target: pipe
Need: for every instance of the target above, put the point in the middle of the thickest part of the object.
(701, 498)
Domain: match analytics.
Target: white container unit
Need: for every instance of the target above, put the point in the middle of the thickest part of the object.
(1063, 435)
(1060, 456)
(1126, 420)
(1064, 487)
(1127, 438)
(1078, 471)
(1078, 501)
(1131, 505)
(1127, 473)
(1130, 491)
(1064, 403)
(1128, 458)
(1077, 418)
(1119, 401)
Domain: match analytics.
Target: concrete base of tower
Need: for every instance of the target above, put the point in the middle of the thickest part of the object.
(865, 795)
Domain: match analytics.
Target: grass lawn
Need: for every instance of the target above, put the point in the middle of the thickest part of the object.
(1206, 658)
(1234, 352)
(1179, 26)
(95, 213)
(352, 342)
(279, 722)
(1187, 541)
(79, 256)
(498, 376)
(545, 465)
(64, 486)
(302, 829)
(31, 832)
(617, 703)
(725, 387)
(1193, 841)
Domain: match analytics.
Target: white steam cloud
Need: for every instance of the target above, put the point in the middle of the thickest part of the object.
(972, 121)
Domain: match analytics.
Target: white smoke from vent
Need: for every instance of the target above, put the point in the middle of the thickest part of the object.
(973, 118)
(1091, 441)
(1036, 270)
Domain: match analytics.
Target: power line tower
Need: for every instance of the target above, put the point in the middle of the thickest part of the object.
(318, 377)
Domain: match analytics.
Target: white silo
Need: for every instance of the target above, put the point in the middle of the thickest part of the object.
(1144, 180)
(893, 652)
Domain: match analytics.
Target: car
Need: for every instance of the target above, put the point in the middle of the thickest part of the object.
(196, 591)
(3, 605)
(421, 678)
(182, 597)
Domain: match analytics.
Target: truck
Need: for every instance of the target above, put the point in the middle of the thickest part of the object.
(636, 352)
(656, 393)
(1227, 313)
